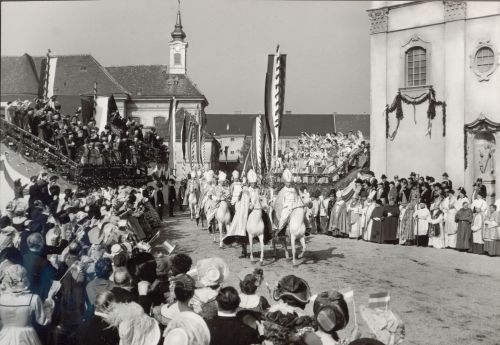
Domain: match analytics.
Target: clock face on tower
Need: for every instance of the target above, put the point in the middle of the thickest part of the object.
(177, 48)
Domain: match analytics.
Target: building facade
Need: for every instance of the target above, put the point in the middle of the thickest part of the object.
(142, 92)
(434, 89)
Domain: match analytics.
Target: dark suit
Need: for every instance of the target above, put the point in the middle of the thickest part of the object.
(160, 203)
(171, 200)
(231, 331)
(96, 331)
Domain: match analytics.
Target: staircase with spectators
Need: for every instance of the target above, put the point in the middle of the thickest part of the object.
(35, 149)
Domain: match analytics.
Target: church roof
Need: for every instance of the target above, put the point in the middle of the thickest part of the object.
(154, 80)
(20, 77)
(76, 74)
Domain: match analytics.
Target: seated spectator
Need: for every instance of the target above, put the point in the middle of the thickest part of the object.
(187, 328)
(183, 287)
(226, 328)
(96, 330)
(101, 282)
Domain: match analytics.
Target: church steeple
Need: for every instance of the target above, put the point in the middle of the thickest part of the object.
(178, 34)
(178, 47)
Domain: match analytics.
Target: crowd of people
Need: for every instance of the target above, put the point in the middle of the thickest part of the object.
(416, 210)
(122, 142)
(77, 267)
(321, 154)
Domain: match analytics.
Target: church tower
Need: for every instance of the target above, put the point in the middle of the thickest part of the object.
(178, 48)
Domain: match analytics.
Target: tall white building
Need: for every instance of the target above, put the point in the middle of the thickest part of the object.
(451, 48)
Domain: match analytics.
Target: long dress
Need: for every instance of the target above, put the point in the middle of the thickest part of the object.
(477, 233)
(237, 230)
(376, 230)
(390, 224)
(339, 222)
(407, 227)
(436, 233)
(355, 213)
(450, 226)
(17, 311)
(492, 234)
(464, 232)
(368, 221)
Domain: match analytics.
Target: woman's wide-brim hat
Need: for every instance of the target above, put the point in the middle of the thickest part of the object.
(292, 286)
(212, 271)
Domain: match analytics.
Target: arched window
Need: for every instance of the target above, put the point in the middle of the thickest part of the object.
(416, 66)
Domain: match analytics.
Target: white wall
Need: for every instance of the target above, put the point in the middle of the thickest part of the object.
(452, 43)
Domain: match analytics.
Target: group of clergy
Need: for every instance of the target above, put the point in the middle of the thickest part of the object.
(408, 211)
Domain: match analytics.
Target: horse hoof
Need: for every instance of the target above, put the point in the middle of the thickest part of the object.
(301, 255)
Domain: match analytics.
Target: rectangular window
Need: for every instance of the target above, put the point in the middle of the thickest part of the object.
(137, 119)
(416, 67)
(177, 59)
(232, 152)
(232, 139)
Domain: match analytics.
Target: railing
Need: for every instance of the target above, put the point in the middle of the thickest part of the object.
(329, 178)
(38, 150)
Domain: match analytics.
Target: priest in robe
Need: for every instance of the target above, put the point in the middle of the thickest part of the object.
(377, 217)
(339, 221)
(390, 223)
(492, 232)
(463, 218)
(422, 216)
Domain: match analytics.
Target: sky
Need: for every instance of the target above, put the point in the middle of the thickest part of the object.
(326, 42)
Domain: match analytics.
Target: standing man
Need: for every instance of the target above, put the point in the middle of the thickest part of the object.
(447, 180)
(159, 200)
(171, 197)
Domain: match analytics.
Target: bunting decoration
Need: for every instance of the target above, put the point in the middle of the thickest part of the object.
(46, 81)
(397, 106)
(274, 99)
(257, 144)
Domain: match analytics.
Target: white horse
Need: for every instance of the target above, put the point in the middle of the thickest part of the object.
(255, 228)
(223, 217)
(295, 230)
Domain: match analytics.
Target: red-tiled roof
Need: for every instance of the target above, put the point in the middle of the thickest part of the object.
(291, 124)
(19, 77)
(76, 74)
(154, 80)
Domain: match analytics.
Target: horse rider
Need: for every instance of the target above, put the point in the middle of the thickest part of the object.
(217, 194)
(206, 186)
(287, 199)
(235, 191)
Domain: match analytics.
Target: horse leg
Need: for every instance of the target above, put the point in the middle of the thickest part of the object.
(220, 235)
(287, 256)
(303, 244)
(250, 241)
(214, 230)
(292, 242)
(261, 240)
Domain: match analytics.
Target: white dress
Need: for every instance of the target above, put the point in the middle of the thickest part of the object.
(16, 314)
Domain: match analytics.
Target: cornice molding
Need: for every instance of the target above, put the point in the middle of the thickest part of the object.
(454, 10)
(379, 20)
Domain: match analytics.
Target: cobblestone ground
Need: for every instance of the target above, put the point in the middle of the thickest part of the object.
(443, 296)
